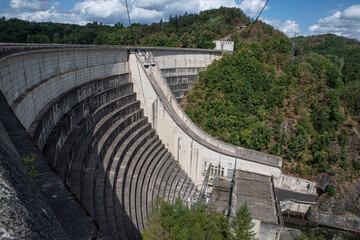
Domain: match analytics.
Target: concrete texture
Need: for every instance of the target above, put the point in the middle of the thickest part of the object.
(256, 191)
(21, 201)
(63, 209)
(296, 184)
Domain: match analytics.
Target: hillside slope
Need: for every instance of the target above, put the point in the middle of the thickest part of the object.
(305, 110)
(188, 30)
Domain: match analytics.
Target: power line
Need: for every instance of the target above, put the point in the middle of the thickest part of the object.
(137, 62)
(255, 21)
(292, 50)
(130, 25)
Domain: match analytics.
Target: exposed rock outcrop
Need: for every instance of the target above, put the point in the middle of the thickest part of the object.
(341, 210)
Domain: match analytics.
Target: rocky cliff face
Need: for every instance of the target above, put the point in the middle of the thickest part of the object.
(341, 210)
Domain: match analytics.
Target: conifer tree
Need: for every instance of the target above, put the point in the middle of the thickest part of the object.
(241, 225)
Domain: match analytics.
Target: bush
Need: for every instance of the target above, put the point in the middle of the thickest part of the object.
(320, 157)
(356, 164)
(342, 139)
(29, 163)
(260, 137)
(344, 165)
(330, 190)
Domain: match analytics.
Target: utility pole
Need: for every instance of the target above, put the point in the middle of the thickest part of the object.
(292, 50)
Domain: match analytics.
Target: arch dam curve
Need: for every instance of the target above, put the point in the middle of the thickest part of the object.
(111, 128)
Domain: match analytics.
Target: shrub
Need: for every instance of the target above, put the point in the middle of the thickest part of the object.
(28, 162)
(342, 139)
(330, 190)
(344, 165)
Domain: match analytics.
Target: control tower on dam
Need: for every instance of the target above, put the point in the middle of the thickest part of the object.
(104, 123)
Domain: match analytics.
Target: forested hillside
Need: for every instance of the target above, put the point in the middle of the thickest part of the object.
(189, 30)
(306, 109)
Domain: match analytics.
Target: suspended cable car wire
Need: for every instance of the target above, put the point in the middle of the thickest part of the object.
(255, 21)
(130, 25)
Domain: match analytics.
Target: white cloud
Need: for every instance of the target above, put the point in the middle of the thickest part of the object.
(113, 11)
(50, 15)
(107, 11)
(35, 5)
(352, 12)
(253, 7)
(289, 27)
(346, 23)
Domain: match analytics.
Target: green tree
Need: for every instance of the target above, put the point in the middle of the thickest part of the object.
(176, 221)
(241, 225)
(154, 229)
(330, 189)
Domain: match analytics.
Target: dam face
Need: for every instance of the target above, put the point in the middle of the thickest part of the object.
(112, 131)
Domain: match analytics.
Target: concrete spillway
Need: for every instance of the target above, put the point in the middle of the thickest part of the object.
(113, 131)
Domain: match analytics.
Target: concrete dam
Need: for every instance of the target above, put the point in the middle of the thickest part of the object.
(107, 134)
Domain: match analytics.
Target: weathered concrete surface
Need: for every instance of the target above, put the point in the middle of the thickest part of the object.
(69, 213)
(24, 214)
(221, 195)
(295, 202)
(345, 221)
(256, 191)
(296, 184)
(269, 231)
(31, 80)
(181, 80)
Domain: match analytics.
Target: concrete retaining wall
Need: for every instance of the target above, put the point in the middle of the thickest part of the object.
(296, 184)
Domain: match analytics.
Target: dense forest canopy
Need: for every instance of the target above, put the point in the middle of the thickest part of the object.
(188, 30)
(306, 109)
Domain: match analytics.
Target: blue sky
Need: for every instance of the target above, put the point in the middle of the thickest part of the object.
(305, 17)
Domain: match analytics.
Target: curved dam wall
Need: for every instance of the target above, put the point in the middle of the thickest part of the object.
(191, 146)
(79, 107)
(112, 129)
(181, 69)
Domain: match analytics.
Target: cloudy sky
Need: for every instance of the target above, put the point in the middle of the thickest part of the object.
(305, 17)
